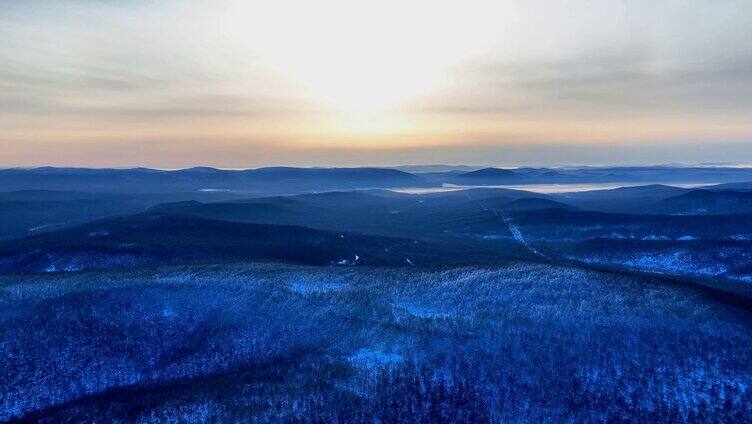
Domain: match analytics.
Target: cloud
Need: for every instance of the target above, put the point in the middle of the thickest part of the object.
(500, 71)
(659, 57)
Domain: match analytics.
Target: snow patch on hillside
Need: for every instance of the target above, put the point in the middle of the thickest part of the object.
(370, 358)
(678, 262)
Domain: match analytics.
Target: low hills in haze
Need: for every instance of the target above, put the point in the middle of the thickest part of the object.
(702, 233)
(287, 180)
(263, 180)
(70, 219)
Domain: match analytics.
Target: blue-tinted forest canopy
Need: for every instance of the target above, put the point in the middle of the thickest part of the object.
(289, 343)
(419, 294)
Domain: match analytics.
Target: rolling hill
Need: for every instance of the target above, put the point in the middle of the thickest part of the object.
(707, 202)
(426, 216)
(156, 238)
(28, 212)
(638, 199)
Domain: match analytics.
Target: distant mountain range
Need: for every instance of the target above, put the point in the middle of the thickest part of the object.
(654, 174)
(288, 180)
(263, 180)
(422, 169)
(488, 176)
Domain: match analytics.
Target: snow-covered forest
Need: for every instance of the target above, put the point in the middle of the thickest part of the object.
(261, 343)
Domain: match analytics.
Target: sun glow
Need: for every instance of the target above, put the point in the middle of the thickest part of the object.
(361, 57)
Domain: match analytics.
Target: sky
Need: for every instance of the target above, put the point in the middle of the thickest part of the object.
(239, 84)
